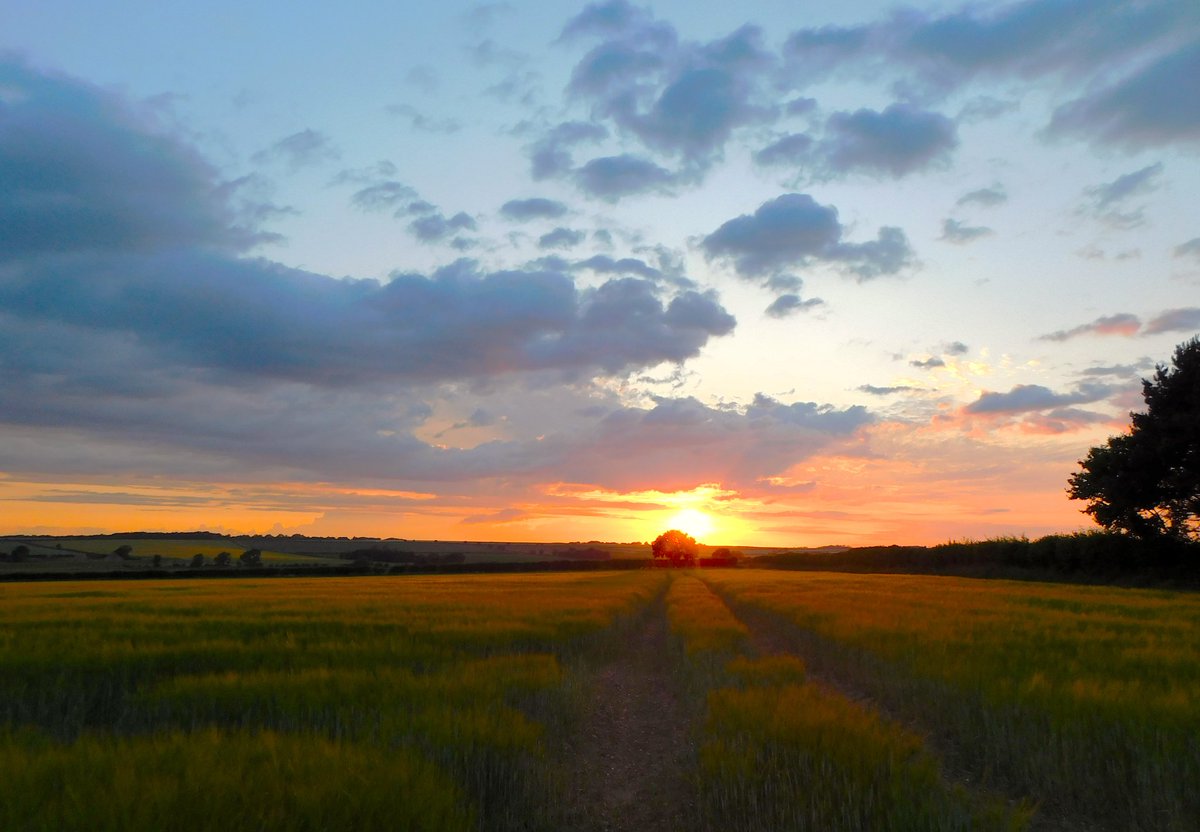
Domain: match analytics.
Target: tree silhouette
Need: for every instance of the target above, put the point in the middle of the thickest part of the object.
(250, 557)
(1146, 483)
(675, 547)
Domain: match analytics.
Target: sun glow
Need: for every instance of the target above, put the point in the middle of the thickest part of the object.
(692, 521)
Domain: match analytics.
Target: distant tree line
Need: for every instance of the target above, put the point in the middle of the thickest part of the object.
(1099, 554)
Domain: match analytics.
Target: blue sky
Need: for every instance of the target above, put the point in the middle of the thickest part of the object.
(870, 273)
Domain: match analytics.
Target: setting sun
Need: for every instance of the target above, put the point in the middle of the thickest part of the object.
(692, 521)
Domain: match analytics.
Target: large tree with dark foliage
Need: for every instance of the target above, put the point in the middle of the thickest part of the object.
(1147, 482)
(675, 547)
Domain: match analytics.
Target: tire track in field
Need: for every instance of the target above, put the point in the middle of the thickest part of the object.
(629, 763)
(770, 636)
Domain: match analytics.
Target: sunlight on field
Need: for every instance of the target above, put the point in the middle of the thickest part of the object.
(426, 696)
(1087, 698)
(816, 701)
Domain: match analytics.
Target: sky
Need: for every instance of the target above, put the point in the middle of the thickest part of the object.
(776, 273)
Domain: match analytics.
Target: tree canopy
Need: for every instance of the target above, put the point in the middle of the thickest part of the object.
(675, 547)
(1146, 482)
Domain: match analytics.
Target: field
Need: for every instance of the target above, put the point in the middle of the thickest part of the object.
(717, 699)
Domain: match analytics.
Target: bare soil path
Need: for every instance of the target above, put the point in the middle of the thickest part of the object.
(630, 761)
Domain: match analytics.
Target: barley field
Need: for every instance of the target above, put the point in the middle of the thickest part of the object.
(807, 701)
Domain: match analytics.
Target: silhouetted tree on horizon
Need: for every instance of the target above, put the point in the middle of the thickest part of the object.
(675, 547)
(1146, 483)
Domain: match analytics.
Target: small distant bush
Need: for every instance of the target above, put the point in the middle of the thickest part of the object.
(197, 561)
(124, 551)
(223, 559)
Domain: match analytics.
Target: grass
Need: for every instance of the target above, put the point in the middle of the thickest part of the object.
(1084, 699)
(282, 695)
(819, 701)
(780, 752)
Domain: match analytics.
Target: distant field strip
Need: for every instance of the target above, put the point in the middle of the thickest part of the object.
(178, 549)
(382, 703)
(779, 752)
(1084, 699)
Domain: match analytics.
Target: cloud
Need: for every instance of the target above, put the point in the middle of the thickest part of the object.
(81, 172)
(613, 177)
(959, 233)
(435, 227)
(550, 156)
(1121, 370)
(895, 142)
(384, 196)
(678, 98)
(1130, 184)
(299, 150)
(1189, 249)
(956, 348)
(786, 305)
(793, 230)
(886, 391)
(561, 238)
(121, 243)
(1028, 397)
(1147, 108)
(426, 124)
(1134, 58)
(1123, 324)
(794, 150)
(927, 363)
(987, 197)
(523, 210)
(1174, 320)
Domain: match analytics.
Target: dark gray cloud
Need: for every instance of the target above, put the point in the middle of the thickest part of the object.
(1123, 323)
(1174, 320)
(119, 240)
(523, 210)
(895, 142)
(561, 238)
(958, 232)
(678, 98)
(1134, 58)
(1189, 249)
(1029, 397)
(793, 231)
(299, 150)
(1118, 370)
(927, 363)
(1148, 108)
(956, 348)
(385, 196)
(80, 172)
(550, 156)
(435, 227)
(787, 305)
(613, 177)
(1130, 184)
(794, 150)
(994, 195)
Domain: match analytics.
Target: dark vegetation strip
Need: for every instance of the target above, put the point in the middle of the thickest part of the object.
(1085, 557)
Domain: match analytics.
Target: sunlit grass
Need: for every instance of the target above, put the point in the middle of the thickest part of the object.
(449, 681)
(780, 752)
(1086, 699)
